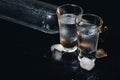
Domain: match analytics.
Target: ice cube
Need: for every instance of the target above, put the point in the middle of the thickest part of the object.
(87, 30)
(86, 63)
(68, 19)
(57, 52)
(82, 21)
(57, 55)
(57, 47)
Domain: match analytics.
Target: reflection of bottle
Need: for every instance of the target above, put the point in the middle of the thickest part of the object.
(31, 13)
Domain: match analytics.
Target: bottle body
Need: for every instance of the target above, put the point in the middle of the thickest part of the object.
(31, 13)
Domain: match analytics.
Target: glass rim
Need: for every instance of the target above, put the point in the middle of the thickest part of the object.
(74, 5)
(94, 15)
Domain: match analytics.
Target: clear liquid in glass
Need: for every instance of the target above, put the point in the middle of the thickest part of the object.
(68, 34)
(88, 38)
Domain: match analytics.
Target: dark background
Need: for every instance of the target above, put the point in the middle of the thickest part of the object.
(27, 50)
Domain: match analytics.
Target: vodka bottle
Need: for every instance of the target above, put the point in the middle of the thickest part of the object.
(31, 13)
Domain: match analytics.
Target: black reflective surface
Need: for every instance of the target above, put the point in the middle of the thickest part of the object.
(27, 50)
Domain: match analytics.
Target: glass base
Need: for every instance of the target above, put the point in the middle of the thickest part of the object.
(70, 49)
(59, 52)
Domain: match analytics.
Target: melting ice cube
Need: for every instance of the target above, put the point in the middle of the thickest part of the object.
(57, 51)
(87, 30)
(86, 63)
(68, 19)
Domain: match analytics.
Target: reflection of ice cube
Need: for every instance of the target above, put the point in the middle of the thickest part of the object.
(64, 31)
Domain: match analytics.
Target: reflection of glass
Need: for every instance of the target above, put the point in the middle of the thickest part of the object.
(88, 33)
(66, 19)
(86, 75)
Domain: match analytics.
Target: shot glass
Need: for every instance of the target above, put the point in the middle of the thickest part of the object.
(67, 14)
(88, 30)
